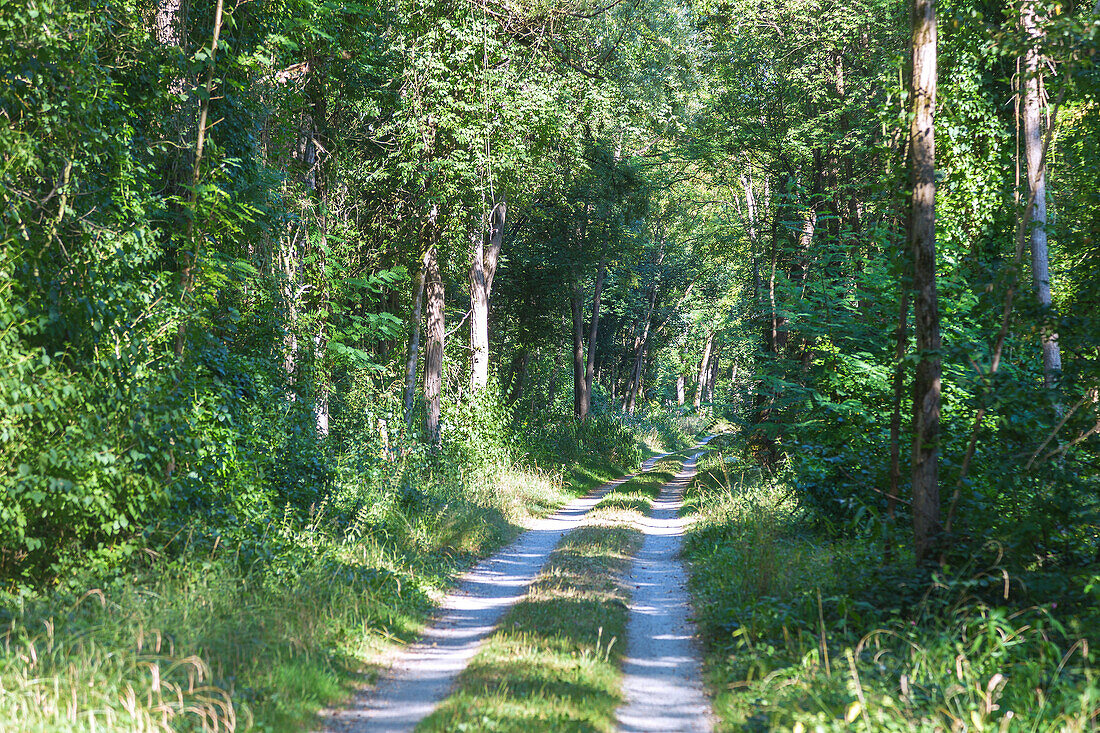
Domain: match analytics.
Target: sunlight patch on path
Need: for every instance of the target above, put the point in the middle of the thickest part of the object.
(423, 674)
(662, 682)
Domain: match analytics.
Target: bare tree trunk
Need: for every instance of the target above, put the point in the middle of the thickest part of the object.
(433, 366)
(639, 356)
(593, 332)
(712, 377)
(320, 400)
(576, 304)
(1034, 130)
(926, 317)
(680, 388)
(483, 267)
(704, 365)
(414, 337)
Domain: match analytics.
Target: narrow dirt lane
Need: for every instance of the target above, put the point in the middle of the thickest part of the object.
(662, 672)
(423, 674)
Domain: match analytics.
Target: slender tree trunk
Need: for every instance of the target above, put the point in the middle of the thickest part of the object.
(433, 366)
(642, 341)
(680, 388)
(187, 256)
(704, 365)
(552, 384)
(926, 317)
(593, 332)
(576, 304)
(712, 377)
(1034, 131)
(414, 338)
(483, 267)
(521, 377)
(752, 219)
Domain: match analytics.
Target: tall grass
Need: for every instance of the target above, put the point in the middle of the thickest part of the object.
(807, 631)
(206, 635)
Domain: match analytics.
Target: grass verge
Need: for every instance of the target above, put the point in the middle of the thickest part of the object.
(807, 631)
(554, 664)
(259, 635)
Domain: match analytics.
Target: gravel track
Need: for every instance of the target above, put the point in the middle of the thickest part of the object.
(423, 673)
(662, 670)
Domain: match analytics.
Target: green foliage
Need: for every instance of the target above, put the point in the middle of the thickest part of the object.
(812, 632)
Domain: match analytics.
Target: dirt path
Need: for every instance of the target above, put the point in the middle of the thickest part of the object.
(662, 671)
(423, 674)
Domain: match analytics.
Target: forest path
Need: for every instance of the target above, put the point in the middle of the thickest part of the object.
(423, 674)
(662, 670)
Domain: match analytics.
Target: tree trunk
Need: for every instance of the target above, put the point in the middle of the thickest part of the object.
(593, 332)
(483, 266)
(712, 377)
(926, 317)
(321, 398)
(635, 385)
(1034, 131)
(414, 338)
(680, 388)
(187, 257)
(576, 304)
(704, 365)
(520, 379)
(433, 366)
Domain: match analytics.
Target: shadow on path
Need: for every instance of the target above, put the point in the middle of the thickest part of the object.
(662, 671)
(423, 673)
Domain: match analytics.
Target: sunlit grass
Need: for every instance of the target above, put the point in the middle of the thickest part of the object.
(554, 662)
(801, 635)
(210, 642)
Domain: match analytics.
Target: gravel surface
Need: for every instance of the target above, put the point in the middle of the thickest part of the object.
(423, 674)
(662, 670)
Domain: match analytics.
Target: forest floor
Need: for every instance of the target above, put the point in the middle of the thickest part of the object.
(604, 565)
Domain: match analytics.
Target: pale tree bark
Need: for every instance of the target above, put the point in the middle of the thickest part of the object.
(704, 366)
(433, 361)
(680, 389)
(593, 332)
(751, 220)
(1034, 131)
(414, 337)
(483, 267)
(926, 316)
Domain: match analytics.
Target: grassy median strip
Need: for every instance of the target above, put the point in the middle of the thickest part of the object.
(554, 662)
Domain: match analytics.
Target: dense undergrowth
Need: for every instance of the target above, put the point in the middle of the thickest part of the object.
(809, 628)
(252, 616)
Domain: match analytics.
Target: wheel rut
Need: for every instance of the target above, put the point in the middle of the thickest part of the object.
(423, 673)
(662, 671)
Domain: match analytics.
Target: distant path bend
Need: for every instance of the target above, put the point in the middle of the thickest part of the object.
(424, 672)
(662, 670)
